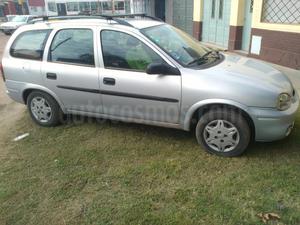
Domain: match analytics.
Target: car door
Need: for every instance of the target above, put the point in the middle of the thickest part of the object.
(70, 70)
(127, 90)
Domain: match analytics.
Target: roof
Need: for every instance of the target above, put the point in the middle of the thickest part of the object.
(143, 23)
(96, 21)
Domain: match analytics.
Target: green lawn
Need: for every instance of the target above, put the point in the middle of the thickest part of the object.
(116, 173)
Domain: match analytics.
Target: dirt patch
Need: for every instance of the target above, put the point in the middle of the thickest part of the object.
(10, 111)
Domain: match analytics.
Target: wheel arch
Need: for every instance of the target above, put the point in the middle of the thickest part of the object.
(27, 91)
(200, 108)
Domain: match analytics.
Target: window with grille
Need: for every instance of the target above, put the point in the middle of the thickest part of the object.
(281, 11)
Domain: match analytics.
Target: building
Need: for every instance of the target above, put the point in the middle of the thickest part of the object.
(36, 7)
(177, 12)
(75, 7)
(12, 7)
(263, 29)
(180, 14)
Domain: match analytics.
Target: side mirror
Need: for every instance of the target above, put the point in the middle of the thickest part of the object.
(162, 68)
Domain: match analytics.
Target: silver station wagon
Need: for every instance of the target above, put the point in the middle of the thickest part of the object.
(139, 69)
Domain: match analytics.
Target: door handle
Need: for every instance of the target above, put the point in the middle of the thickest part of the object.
(109, 81)
(51, 76)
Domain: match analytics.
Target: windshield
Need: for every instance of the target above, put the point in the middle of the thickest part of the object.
(9, 18)
(179, 45)
(19, 19)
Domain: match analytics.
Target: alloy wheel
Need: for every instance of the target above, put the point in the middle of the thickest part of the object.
(41, 109)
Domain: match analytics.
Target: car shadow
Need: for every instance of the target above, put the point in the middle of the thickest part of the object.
(286, 147)
(154, 131)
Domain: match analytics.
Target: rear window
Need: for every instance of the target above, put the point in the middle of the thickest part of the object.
(30, 44)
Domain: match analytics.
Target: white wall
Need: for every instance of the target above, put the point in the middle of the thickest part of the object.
(37, 11)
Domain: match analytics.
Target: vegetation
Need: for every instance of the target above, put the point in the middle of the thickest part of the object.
(115, 173)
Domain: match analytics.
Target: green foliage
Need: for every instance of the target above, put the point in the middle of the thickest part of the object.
(116, 173)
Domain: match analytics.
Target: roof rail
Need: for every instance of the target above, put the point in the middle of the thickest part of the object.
(122, 22)
(49, 18)
(116, 18)
(143, 15)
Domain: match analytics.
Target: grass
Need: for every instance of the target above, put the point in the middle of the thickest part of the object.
(116, 173)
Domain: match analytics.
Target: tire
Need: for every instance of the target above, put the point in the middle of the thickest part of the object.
(43, 109)
(223, 132)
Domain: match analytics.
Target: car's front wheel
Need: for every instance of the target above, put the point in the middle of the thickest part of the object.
(223, 132)
(44, 109)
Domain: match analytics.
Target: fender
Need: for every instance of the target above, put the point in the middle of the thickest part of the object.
(28, 86)
(186, 118)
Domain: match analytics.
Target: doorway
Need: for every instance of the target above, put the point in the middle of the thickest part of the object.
(160, 9)
(216, 22)
(61, 9)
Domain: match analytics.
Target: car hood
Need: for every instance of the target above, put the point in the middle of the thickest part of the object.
(240, 79)
(12, 24)
(251, 70)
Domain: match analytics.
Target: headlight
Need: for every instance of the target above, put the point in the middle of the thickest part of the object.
(284, 101)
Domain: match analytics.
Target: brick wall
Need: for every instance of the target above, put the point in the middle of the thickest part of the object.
(279, 47)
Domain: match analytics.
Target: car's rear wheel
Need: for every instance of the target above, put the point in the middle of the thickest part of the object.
(223, 132)
(44, 109)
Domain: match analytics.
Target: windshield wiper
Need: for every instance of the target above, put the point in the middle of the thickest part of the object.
(205, 56)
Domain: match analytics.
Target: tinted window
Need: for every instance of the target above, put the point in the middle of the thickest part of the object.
(30, 45)
(124, 51)
(73, 46)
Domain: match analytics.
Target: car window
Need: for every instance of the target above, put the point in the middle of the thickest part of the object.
(123, 51)
(10, 17)
(73, 46)
(30, 44)
(19, 19)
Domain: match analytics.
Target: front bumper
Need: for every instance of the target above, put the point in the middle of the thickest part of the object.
(8, 30)
(271, 124)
